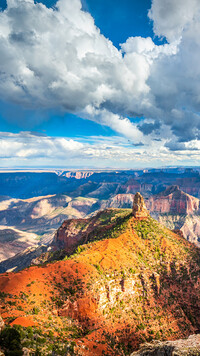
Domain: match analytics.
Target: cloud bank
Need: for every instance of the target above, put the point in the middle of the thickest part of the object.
(58, 58)
(32, 150)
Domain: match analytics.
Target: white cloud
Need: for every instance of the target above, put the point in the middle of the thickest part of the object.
(174, 80)
(171, 17)
(27, 149)
(28, 145)
(57, 58)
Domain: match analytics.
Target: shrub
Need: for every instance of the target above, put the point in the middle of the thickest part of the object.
(35, 310)
(10, 340)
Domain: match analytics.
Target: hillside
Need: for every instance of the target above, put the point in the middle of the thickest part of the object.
(36, 204)
(33, 222)
(132, 282)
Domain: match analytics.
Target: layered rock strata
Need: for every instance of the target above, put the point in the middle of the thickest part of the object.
(139, 209)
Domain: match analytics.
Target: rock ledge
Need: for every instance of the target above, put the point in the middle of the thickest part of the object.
(185, 347)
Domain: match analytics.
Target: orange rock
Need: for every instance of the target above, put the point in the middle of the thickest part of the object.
(139, 208)
(24, 321)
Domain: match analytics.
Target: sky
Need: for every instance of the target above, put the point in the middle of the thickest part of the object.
(99, 83)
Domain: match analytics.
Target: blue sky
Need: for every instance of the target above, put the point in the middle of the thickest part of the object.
(117, 21)
(99, 83)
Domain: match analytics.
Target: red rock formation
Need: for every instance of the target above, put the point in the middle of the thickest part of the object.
(120, 287)
(139, 208)
(173, 201)
(69, 235)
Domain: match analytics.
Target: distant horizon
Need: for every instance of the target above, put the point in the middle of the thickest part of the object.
(51, 169)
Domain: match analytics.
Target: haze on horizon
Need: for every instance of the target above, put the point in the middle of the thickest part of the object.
(99, 83)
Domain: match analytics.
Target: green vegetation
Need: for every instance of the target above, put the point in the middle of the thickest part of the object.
(98, 267)
(110, 224)
(146, 284)
(13, 339)
(10, 341)
(36, 310)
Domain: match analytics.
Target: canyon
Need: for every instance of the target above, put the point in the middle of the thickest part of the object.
(173, 201)
(112, 282)
(31, 223)
(178, 211)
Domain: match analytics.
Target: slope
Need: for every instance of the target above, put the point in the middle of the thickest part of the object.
(111, 295)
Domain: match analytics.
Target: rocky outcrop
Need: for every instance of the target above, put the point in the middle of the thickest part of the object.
(75, 232)
(190, 346)
(139, 208)
(173, 201)
(70, 235)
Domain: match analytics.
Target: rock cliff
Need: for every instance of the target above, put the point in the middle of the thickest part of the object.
(190, 346)
(177, 210)
(118, 201)
(139, 209)
(132, 281)
(75, 232)
(174, 201)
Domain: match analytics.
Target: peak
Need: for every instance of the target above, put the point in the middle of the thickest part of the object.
(139, 207)
(172, 189)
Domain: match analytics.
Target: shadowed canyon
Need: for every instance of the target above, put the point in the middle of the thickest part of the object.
(103, 275)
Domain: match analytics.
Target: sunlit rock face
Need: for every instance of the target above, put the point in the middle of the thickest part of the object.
(173, 201)
(139, 209)
(190, 346)
(177, 210)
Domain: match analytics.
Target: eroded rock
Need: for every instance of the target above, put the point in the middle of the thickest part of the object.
(139, 207)
(185, 347)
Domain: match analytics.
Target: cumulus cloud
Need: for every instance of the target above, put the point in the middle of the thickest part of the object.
(175, 81)
(57, 58)
(171, 18)
(29, 149)
(30, 145)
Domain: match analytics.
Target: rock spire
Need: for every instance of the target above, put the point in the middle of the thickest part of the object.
(139, 208)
